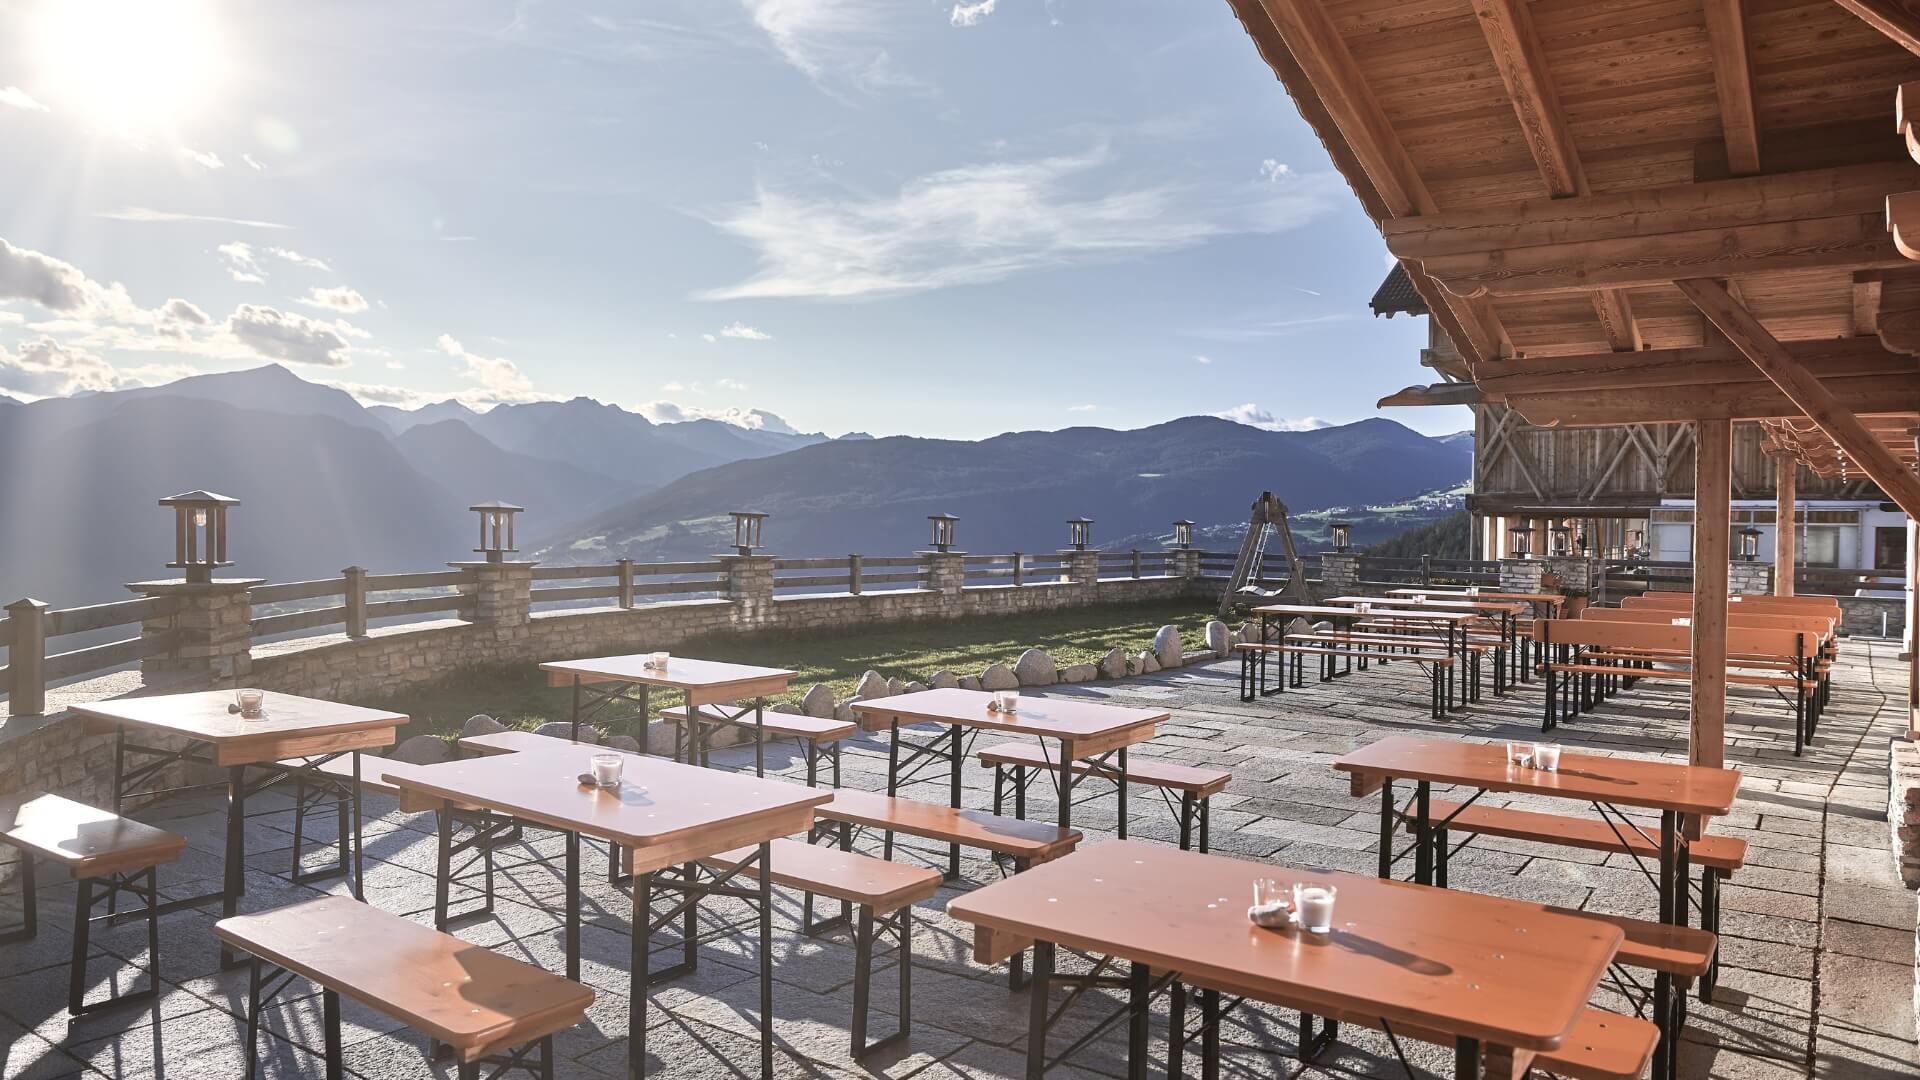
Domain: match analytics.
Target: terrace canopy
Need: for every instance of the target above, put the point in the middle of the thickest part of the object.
(1639, 211)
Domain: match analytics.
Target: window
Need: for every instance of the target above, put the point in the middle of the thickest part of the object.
(1821, 545)
(1890, 547)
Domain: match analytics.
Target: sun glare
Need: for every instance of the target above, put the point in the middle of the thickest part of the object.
(138, 68)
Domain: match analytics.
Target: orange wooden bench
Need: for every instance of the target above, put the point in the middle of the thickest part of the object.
(486, 1007)
(814, 735)
(1023, 763)
(107, 855)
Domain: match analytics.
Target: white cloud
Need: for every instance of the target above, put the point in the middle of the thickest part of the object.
(253, 163)
(17, 98)
(833, 41)
(731, 384)
(1083, 408)
(1273, 170)
(290, 336)
(971, 14)
(148, 214)
(500, 379)
(672, 388)
(46, 368)
(206, 159)
(744, 332)
(1254, 416)
(1262, 329)
(340, 298)
(54, 284)
(986, 222)
(241, 264)
(298, 259)
(1200, 358)
(669, 412)
(708, 337)
(182, 311)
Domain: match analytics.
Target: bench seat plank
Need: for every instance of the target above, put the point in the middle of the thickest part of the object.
(1154, 772)
(1031, 840)
(467, 996)
(88, 841)
(1723, 853)
(843, 875)
(789, 725)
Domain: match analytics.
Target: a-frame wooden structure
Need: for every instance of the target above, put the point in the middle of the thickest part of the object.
(1631, 212)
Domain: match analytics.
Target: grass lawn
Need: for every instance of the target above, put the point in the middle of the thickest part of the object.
(519, 695)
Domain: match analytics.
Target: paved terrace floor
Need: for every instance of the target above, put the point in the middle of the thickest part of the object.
(1818, 945)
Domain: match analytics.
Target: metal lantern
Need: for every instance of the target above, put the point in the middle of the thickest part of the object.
(1562, 539)
(1183, 533)
(746, 530)
(199, 533)
(1522, 541)
(942, 531)
(1342, 535)
(1079, 532)
(1581, 540)
(496, 529)
(1749, 543)
(1637, 540)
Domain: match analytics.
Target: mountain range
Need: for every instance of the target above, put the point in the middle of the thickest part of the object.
(326, 482)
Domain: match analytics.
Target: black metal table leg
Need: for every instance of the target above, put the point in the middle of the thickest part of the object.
(573, 906)
(1386, 827)
(957, 759)
(1139, 1013)
(359, 837)
(637, 975)
(574, 734)
(1037, 1010)
(765, 878)
(1423, 834)
(1466, 1058)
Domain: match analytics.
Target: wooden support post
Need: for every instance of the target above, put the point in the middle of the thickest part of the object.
(356, 600)
(26, 657)
(1712, 513)
(854, 570)
(626, 582)
(1785, 535)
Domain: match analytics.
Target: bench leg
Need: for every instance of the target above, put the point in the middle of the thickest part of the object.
(1037, 1010)
(1312, 1044)
(330, 1017)
(1017, 963)
(1710, 921)
(29, 905)
(83, 918)
(901, 923)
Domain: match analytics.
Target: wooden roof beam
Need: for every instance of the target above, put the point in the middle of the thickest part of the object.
(1708, 401)
(1733, 81)
(1898, 19)
(1806, 389)
(1508, 28)
(1715, 363)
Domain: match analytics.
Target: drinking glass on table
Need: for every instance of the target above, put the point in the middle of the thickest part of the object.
(1272, 903)
(606, 769)
(1546, 756)
(1519, 754)
(1314, 907)
(1006, 700)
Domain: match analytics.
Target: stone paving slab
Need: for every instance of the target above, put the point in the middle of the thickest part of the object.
(1818, 933)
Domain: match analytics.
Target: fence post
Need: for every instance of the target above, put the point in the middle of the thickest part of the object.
(26, 657)
(1426, 569)
(356, 596)
(626, 582)
(1136, 562)
(853, 573)
(1019, 569)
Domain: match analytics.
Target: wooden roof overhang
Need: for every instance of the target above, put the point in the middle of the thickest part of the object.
(1634, 211)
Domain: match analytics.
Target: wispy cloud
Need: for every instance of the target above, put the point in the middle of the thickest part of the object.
(290, 336)
(298, 259)
(14, 97)
(148, 214)
(835, 43)
(253, 163)
(971, 14)
(670, 412)
(986, 222)
(1273, 170)
(1201, 358)
(1254, 416)
(1262, 329)
(730, 384)
(206, 159)
(241, 264)
(1083, 408)
(744, 332)
(500, 379)
(339, 298)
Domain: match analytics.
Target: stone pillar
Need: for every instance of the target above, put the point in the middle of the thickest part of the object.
(499, 594)
(1186, 562)
(1521, 575)
(1083, 567)
(208, 635)
(1340, 573)
(1578, 579)
(1749, 579)
(355, 596)
(26, 654)
(946, 574)
(750, 587)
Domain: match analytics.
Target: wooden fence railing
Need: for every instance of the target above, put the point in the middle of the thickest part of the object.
(1427, 570)
(33, 661)
(854, 574)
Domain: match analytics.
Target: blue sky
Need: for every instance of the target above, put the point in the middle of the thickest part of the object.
(898, 216)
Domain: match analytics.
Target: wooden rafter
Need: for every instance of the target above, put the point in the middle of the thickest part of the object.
(1898, 19)
(1815, 399)
(1615, 312)
(1508, 27)
(1711, 401)
(1718, 362)
(1733, 81)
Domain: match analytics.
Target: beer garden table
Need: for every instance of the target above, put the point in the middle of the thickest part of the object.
(663, 813)
(1506, 614)
(1088, 732)
(1501, 975)
(1548, 605)
(292, 735)
(709, 684)
(1345, 616)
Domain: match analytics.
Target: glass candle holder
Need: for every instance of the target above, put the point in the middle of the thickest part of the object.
(1272, 904)
(1546, 756)
(658, 660)
(252, 702)
(606, 769)
(1314, 905)
(1006, 700)
(1520, 755)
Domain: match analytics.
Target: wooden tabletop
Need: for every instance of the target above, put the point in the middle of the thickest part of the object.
(1347, 612)
(1511, 973)
(290, 725)
(1653, 785)
(1058, 718)
(1462, 603)
(1555, 599)
(467, 995)
(659, 805)
(706, 681)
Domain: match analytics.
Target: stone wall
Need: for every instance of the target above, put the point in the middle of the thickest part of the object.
(1860, 616)
(1903, 808)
